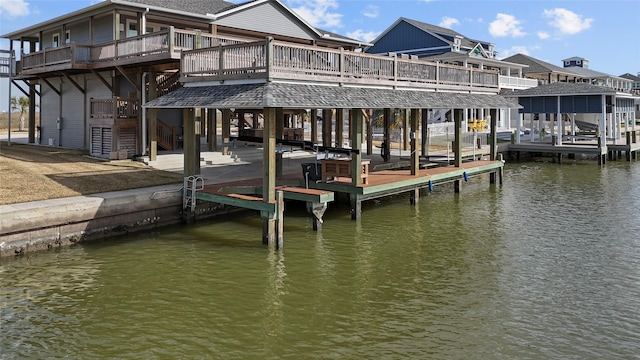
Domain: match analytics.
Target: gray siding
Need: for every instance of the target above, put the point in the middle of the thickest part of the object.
(73, 110)
(102, 29)
(47, 38)
(268, 19)
(80, 33)
(49, 111)
(403, 37)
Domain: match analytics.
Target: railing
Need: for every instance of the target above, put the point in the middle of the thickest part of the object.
(7, 63)
(511, 82)
(170, 41)
(280, 60)
(166, 136)
(115, 108)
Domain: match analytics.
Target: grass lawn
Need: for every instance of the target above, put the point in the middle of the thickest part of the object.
(31, 173)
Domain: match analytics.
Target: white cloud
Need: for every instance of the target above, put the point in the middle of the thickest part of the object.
(448, 22)
(14, 8)
(566, 21)
(543, 35)
(372, 11)
(514, 50)
(362, 35)
(505, 25)
(318, 13)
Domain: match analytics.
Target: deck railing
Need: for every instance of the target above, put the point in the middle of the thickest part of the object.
(114, 108)
(280, 60)
(170, 41)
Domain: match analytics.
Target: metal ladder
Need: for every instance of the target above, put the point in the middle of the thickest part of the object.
(192, 184)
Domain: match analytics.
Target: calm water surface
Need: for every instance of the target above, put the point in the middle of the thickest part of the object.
(545, 267)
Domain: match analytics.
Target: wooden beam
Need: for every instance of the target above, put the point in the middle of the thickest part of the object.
(279, 122)
(339, 127)
(413, 137)
(314, 126)
(269, 174)
(131, 80)
(189, 139)
(74, 83)
(20, 88)
(355, 133)
(103, 80)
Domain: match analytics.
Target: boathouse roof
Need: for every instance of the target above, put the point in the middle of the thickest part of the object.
(290, 95)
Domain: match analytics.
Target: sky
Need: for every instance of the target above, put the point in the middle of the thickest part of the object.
(605, 32)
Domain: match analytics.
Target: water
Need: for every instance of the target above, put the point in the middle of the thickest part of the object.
(545, 267)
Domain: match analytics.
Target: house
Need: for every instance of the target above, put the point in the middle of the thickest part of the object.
(435, 43)
(576, 70)
(407, 37)
(93, 69)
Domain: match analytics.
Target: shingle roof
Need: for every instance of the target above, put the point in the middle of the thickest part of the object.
(535, 65)
(630, 77)
(563, 88)
(287, 95)
(465, 42)
(201, 7)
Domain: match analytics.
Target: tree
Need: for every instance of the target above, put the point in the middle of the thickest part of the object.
(21, 104)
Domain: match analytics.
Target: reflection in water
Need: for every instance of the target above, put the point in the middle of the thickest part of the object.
(546, 266)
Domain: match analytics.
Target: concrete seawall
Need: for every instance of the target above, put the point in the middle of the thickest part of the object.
(41, 225)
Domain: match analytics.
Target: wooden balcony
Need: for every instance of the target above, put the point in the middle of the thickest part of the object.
(114, 108)
(157, 46)
(274, 60)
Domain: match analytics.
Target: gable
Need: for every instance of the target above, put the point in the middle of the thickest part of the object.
(269, 19)
(406, 38)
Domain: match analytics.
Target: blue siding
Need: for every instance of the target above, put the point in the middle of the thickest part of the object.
(405, 36)
(580, 104)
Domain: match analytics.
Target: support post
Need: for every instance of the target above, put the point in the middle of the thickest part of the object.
(327, 116)
(457, 146)
(386, 154)
(279, 122)
(212, 130)
(493, 141)
(226, 130)
(415, 158)
(314, 126)
(356, 206)
(425, 135)
(269, 173)
(152, 118)
(339, 127)
(190, 155)
(369, 123)
(356, 137)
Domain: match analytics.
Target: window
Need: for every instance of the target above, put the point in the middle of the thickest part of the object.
(132, 28)
(67, 36)
(55, 40)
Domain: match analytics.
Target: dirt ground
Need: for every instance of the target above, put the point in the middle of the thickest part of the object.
(31, 173)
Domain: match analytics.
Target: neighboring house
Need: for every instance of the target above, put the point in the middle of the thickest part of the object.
(635, 89)
(95, 67)
(438, 44)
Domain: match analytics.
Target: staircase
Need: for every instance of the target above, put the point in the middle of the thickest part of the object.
(167, 138)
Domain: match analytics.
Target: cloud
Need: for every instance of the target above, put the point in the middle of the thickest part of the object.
(372, 11)
(543, 35)
(514, 50)
(448, 22)
(318, 13)
(362, 35)
(505, 25)
(14, 8)
(566, 21)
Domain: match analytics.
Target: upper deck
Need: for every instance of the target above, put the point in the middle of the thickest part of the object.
(272, 60)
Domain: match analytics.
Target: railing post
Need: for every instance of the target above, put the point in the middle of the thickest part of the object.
(341, 63)
(220, 60)
(437, 73)
(172, 39)
(198, 44)
(72, 50)
(470, 76)
(269, 57)
(395, 67)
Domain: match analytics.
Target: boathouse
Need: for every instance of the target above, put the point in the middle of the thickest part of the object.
(272, 77)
